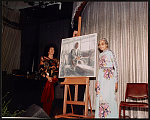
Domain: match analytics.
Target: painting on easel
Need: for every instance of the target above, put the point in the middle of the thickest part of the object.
(78, 56)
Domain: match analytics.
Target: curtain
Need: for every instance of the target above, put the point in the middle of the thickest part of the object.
(76, 5)
(11, 40)
(125, 25)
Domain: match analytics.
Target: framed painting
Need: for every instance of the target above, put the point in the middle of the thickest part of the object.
(78, 56)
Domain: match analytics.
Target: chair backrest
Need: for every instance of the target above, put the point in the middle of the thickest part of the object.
(136, 90)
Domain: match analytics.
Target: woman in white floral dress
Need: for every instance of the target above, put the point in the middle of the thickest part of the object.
(107, 83)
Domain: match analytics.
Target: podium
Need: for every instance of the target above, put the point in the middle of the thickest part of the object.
(76, 81)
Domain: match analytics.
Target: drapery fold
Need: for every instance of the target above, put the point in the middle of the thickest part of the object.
(125, 25)
(76, 5)
(11, 40)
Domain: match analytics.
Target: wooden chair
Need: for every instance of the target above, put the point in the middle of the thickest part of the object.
(134, 91)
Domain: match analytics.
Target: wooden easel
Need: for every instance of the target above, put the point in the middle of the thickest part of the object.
(76, 81)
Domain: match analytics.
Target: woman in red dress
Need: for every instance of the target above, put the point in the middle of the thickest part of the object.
(49, 67)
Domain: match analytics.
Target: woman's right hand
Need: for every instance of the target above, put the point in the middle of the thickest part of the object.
(96, 85)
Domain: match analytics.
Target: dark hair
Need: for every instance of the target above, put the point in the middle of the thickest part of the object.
(47, 49)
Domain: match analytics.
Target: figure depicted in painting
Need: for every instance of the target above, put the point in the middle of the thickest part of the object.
(75, 55)
(107, 83)
(79, 64)
(49, 67)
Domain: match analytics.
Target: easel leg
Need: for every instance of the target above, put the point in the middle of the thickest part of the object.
(76, 93)
(86, 99)
(70, 98)
(84, 82)
(65, 99)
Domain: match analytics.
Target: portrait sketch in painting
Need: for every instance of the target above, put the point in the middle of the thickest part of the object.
(78, 56)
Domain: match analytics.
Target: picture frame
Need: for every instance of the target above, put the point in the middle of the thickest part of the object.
(78, 56)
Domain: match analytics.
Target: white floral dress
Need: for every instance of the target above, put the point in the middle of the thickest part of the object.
(106, 104)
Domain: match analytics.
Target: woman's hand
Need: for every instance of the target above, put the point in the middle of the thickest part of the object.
(116, 87)
(96, 84)
(97, 87)
(49, 78)
(55, 76)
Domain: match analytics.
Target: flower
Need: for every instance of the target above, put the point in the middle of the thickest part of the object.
(45, 69)
(108, 73)
(104, 110)
(102, 61)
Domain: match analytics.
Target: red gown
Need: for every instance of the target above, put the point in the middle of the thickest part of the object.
(48, 95)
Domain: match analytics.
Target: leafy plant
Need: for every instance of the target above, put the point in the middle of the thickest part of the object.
(6, 112)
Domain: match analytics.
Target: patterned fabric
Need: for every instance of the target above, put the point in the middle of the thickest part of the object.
(104, 110)
(50, 67)
(108, 73)
(106, 104)
(102, 61)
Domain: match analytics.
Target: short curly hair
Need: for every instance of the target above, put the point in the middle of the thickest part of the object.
(46, 49)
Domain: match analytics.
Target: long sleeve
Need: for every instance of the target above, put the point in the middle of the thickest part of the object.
(42, 69)
(115, 65)
(56, 71)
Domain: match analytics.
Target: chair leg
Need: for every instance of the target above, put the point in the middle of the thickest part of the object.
(120, 112)
(123, 112)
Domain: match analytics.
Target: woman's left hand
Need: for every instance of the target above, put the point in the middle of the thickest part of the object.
(49, 78)
(55, 76)
(116, 87)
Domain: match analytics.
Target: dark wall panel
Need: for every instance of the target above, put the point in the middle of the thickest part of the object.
(53, 33)
(28, 47)
(36, 37)
(41, 27)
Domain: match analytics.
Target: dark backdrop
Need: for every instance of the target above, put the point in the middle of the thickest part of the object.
(41, 27)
